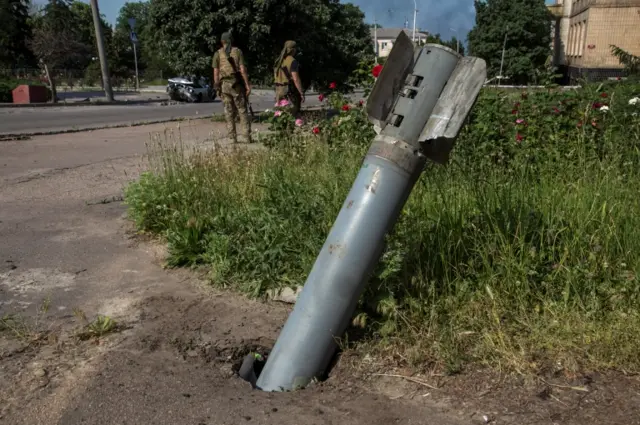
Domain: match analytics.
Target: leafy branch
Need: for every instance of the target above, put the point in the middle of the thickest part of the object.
(630, 62)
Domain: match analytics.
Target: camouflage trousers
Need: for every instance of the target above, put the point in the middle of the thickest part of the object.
(235, 106)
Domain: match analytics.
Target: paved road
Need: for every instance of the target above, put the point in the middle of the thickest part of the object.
(52, 119)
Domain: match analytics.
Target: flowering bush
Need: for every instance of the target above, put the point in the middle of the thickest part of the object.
(282, 121)
(365, 75)
(534, 128)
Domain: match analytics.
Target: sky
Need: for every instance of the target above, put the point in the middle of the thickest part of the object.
(446, 17)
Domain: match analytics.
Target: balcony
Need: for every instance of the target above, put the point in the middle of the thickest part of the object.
(556, 10)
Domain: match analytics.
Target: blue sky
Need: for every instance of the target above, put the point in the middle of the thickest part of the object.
(447, 17)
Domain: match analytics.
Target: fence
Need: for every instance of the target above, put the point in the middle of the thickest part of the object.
(595, 74)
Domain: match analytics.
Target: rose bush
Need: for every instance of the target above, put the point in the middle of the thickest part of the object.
(548, 127)
(339, 123)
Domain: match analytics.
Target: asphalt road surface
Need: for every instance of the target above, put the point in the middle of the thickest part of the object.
(53, 119)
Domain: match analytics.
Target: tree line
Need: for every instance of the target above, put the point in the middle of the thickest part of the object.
(179, 37)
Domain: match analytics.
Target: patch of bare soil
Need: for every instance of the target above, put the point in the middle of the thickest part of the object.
(176, 363)
(488, 397)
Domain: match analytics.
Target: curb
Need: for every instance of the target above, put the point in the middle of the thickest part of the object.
(105, 103)
(81, 103)
(9, 137)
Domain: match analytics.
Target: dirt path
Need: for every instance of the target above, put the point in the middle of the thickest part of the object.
(64, 237)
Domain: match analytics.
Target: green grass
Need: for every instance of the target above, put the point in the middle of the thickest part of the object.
(155, 82)
(517, 256)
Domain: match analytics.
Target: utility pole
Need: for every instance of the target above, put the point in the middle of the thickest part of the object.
(104, 65)
(415, 15)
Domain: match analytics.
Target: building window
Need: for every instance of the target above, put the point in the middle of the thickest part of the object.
(572, 41)
(580, 38)
(569, 47)
(384, 45)
(583, 39)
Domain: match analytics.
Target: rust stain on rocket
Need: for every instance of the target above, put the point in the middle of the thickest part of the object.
(375, 180)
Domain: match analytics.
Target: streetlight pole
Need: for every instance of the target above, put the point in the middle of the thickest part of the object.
(415, 15)
(504, 46)
(457, 40)
(134, 40)
(135, 58)
(375, 38)
(104, 65)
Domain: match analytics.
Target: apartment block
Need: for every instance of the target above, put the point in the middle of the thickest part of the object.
(584, 31)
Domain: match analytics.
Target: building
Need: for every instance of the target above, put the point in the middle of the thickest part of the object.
(584, 31)
(387, 36)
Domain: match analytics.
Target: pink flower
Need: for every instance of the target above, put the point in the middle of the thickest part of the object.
(316, 130)
(283, 102)
(321, 97)
(277, 113)
(519, 137)
(333, 86)
(299, 122)
(519, 121)
(346, 107)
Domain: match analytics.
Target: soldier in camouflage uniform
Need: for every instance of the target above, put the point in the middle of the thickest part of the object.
(232, 83)
(287, 79)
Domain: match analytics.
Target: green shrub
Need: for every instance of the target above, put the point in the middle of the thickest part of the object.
(5, 92)
(523, 254)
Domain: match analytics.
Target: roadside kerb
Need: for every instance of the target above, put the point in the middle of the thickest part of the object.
(6, 137)
(82, 103)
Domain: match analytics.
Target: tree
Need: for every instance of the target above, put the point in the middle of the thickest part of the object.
(15, 33)
(149, 61)
(630, 62)
(86, 32)
(332, 37)
(452, 44)
(527, 27)
(56, 43)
